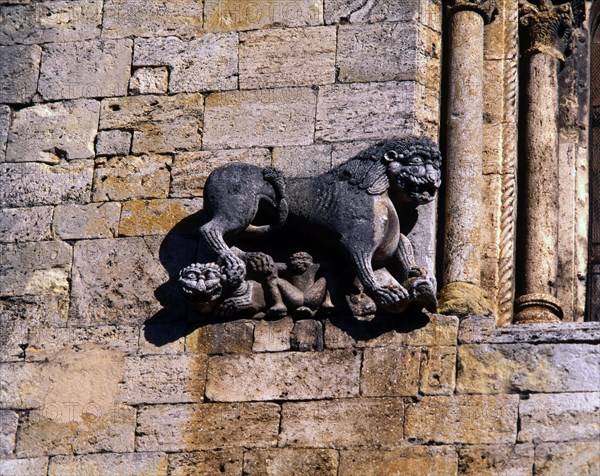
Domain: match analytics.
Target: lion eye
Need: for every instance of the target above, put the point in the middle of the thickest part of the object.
(191, 275)
(390, 155)
(416, 160)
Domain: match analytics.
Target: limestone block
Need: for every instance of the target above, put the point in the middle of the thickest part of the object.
(207, 426)
(82, 222)
(201, 463)
(159, 123)
(366, 422)
(272, 336)
(20, 385)
(152, 18)
(469, 419)
(132, 177)
(287, 57)
(528, 368)
(191, 169)
(24, 466)
(390, 371)
(357, 11)
(161, 338)
(303, 161)
(207, 63)
(259, 118)
(25, 224)
(131, 464)
(287, 462)
(34, 268)
(50, 21)
(493, 90)
(226, 15)
(19, 73)
(51, 132)
(372, 52)
(222, 338)
(156, 217)
(506, 460)
(576, 457)
(560, 417)
(406, 460)
(4, 126)
(438, 371)
(114, 280)
(149, 80)
(96, 68)
(30, 184)
(353, 111)
(307, 335)
(342, 151)
(9, 421)
(275, 376)
(113, 142)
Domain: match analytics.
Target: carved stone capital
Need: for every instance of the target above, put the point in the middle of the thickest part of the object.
(488, 9)
(546, 24)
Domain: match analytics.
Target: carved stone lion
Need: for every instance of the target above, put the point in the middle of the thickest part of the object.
(356, 205)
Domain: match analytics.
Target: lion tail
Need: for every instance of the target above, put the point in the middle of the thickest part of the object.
(276, 179)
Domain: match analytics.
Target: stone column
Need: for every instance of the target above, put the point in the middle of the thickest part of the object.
(464, 152)
(540, 234)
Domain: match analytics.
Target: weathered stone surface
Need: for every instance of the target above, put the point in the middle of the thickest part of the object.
(149, 81)
(9, 421)
(407, 460)
(207, 63)
(25, 224)
(24, 466)
(97, 68)
(272, 336)
(155, 217)
(372, 53)
(131, 464)
(259, 118)
(287, 462)
(577, 457)
(113, 142)
(287, 57)
(191, 169)
(161, 338)
(225, 15)
(222, 338)
(207, 426)
(560, 417)
(201, 463)
(353, 111)
(438, 371)
(467, 419)
(51, 132)
(152, 18)
(390, 371)
(34, 268)
(50, 21)
(303, 161)
(4, 126)
(17, 388)
(508, 368)
(357, 11)
(159, 123)
(307, 335)
(132, 177)
(95, 220)
(115, 280)
(482, 329)
(19, 73)
(163, 379)
(342, 423)
(274, 376)
(508, 460)
(30, 184)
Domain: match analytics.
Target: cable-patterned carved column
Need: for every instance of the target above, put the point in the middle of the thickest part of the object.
(462, 248)
(544, 25)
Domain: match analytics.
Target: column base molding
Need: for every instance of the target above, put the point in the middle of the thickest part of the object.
(537, 308)
(463, 298)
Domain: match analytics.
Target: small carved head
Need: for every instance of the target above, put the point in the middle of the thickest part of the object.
(202, 282)
(300, 262)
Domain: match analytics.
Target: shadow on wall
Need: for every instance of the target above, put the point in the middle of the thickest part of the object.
(181, 248)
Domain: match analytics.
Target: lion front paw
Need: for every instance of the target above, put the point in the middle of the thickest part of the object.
(391, 295)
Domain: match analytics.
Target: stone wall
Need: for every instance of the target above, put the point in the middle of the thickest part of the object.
(113, 114)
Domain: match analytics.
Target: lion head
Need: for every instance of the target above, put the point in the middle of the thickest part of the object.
(410, 165)
(202, 282)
